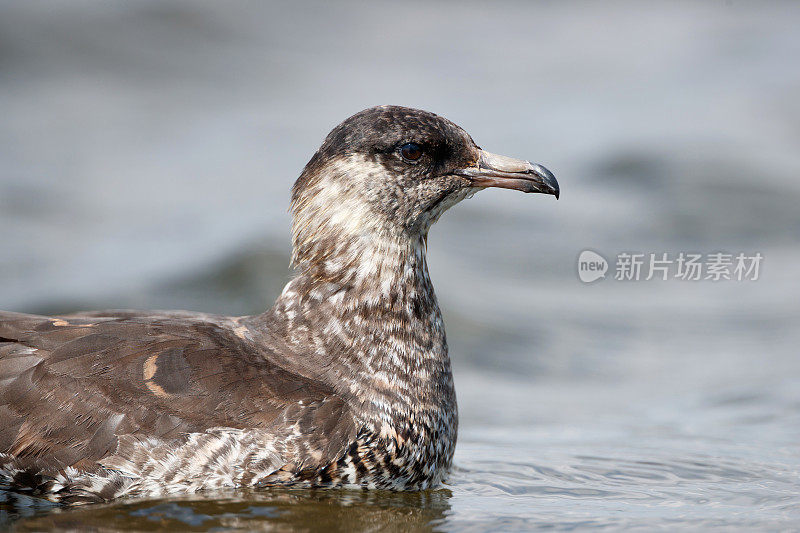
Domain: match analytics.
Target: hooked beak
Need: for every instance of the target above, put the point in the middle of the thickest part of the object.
(494, 170)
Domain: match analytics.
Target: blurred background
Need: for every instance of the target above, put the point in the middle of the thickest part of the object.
(147, 150)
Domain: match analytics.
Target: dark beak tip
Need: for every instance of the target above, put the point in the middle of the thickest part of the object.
(548, 178)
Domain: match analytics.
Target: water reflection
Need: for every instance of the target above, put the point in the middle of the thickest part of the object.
(274, 509)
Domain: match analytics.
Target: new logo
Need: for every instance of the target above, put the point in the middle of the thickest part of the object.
(591, 266)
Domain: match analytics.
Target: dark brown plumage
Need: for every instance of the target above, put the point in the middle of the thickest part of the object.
(344, 381)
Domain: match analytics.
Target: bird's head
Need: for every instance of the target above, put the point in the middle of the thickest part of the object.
(389, 172)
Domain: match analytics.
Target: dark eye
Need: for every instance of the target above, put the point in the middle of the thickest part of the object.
(411, 152)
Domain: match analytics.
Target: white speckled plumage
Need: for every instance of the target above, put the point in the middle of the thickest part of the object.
(345, 381)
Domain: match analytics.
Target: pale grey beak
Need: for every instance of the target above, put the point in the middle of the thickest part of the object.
(494, 170)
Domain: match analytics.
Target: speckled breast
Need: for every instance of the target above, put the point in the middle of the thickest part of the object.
(411, 455)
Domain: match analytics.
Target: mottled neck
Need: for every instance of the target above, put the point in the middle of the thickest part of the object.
(365, 320)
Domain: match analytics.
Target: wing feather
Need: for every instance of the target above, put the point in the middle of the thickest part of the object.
(74, 389)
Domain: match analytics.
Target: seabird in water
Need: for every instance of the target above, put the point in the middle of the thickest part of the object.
(345, 381)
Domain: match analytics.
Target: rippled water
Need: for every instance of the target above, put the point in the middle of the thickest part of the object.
(146, 153)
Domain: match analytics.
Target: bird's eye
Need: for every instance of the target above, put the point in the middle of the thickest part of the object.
(411, 152)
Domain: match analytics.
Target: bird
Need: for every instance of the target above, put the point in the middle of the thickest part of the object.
(344, 382)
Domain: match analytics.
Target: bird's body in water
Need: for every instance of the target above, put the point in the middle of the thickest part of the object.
(345, 381)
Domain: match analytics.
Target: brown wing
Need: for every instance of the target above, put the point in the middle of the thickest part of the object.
(69, 387)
